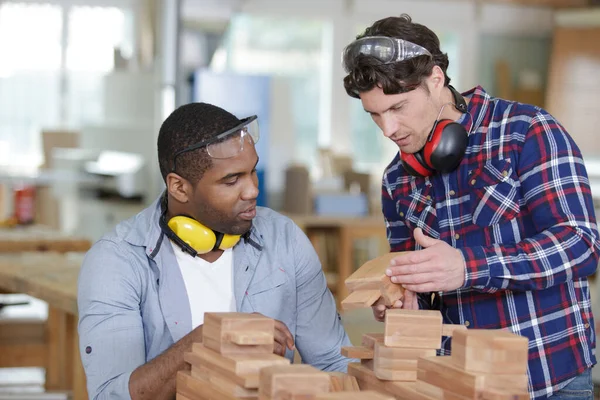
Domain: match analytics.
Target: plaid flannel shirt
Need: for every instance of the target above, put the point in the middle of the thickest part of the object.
(519, 208)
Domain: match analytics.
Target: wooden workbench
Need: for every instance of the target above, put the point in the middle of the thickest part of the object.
(39, 238)
(346, 230)
(52, 277)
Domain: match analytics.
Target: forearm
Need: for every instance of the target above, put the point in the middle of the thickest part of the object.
(157, 378)
(551, 258)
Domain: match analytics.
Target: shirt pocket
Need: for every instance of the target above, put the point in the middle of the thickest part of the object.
(272, 296)
(417, 207)
(495, 193)
(275, 280)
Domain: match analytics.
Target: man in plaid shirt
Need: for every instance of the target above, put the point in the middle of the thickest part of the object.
(506, 233)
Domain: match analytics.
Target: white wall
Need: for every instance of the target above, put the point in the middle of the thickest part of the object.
(467, 19)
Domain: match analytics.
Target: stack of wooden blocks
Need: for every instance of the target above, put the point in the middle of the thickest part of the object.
(236, 346)
(236, 361)
(485, 364)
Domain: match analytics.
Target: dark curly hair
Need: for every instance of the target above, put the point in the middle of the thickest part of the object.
(398, 77)
(188, 125)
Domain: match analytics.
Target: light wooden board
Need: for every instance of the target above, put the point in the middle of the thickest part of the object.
(369, 279)
(39, 238)
(238, 333)
(490, 351)
(242, 369)
(50, 277)
(278, 382)
(413, 328)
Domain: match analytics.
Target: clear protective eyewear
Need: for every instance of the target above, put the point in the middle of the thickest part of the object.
(386, 49)
(227, 144)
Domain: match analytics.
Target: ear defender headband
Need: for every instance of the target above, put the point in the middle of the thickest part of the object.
(445, 146)
(193, 237)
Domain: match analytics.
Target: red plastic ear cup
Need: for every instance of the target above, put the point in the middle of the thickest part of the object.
(446, 147)
(415, 165)
(436, 137)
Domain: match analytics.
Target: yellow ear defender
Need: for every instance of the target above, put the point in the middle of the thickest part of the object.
(199, 237)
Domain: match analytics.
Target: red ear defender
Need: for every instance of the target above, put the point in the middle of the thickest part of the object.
(415, 165)
(446, 146)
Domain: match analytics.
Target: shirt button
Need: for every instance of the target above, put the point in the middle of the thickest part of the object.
(401, 214)
(473, 182)
(428, 197)
(587, 325)
(452, 193)
(505, 173)
(457, 236)
(467, 324)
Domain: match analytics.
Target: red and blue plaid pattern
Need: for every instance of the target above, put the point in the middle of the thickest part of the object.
(519, 208)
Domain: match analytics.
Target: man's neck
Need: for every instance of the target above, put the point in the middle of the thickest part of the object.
(450, 111)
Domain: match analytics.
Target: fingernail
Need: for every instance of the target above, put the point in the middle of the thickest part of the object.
(388, 272)
(394, 279)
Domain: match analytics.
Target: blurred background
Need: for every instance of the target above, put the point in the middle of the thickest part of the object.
(86, 84)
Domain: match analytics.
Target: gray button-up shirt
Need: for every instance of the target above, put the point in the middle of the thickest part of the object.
(133, 303)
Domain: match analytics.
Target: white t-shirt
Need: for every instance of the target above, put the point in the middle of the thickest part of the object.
(209, 285)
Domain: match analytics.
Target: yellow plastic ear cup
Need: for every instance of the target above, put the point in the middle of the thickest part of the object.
(229, 241)
(193, 233)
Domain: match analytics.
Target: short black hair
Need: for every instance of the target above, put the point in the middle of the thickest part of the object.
(188, 125)
(402, 76)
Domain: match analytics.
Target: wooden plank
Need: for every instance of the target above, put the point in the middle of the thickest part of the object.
(442, 372)
(39, 238)
(225, 385)
(397, 363)
(360, 299)
(250, 338)
(365, 395)
(413, 328)
(238, 333)
(368, 381)
(490, 351)
(371, 276)
(50, 277)
(492, 394)
(278, 382)
(56, 367)
(449, 329)
(361, 352)
(23, 355)
(342, 382)
(369, 339)
(195, 388)
(241, 369)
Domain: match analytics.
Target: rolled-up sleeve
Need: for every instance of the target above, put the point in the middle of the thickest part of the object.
(111, 335)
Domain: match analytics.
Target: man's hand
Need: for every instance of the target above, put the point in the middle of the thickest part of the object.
(408, 302)
(283, 338)
(438, 267)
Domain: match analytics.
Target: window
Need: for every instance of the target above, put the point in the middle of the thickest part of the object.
(50, 79)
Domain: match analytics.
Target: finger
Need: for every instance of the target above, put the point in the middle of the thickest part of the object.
(286, 336)
(422, 239)
(398, 304)
(279, 349)
(411, 257)
(379, 316)
(423, 288)
(410, 300)
(416, 278)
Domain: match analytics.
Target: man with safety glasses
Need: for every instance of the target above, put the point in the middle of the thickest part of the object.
(490, 200)
(203, 246)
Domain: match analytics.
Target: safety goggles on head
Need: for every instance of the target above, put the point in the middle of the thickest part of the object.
(385, 49)
(229, 143)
